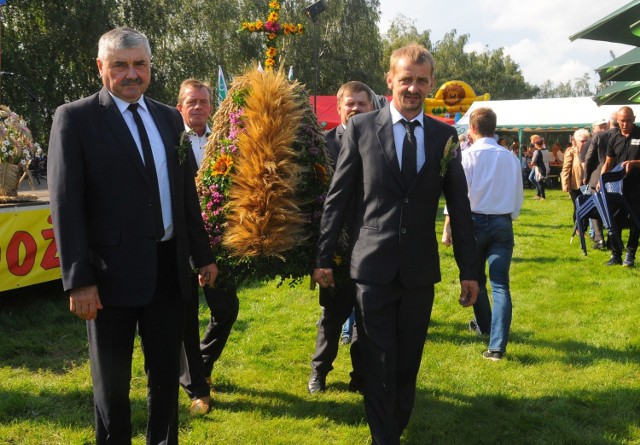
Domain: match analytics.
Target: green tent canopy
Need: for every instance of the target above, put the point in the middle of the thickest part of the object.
(620, 26)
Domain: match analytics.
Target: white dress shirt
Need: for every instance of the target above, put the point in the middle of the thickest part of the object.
(198, 143)
(159, 156)
(494, 178)
(399, 132)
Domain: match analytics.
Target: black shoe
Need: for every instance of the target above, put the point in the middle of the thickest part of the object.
(599, 245)
(615, 260)
(494, 356)
(317, 382)
(629, 260)
(473, 327)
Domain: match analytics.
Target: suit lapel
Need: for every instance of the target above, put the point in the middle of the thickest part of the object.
(167, 140)
(387, 143)
(431, 146)
(114, 120)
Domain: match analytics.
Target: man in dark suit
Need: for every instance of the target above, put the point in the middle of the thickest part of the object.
(337, 304)
(199, 355)
(126, 220)
(395, 175)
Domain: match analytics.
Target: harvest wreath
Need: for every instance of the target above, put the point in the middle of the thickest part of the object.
(263, 180)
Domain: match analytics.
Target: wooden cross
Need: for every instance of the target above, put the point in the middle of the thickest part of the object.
(273, 28)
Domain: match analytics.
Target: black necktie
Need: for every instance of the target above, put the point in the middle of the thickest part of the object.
(150, 167)
(409, 146)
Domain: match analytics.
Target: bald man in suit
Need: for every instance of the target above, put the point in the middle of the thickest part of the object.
(394, 174)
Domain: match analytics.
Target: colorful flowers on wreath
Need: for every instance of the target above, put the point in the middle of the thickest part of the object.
(16, 143)
(273, 28)
(216, 181)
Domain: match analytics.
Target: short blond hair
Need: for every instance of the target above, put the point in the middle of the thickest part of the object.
(196, 85)
(415, 53)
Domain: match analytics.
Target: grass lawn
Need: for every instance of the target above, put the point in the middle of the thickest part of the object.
(571, 374)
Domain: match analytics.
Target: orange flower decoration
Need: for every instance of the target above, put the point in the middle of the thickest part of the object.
(223, 164)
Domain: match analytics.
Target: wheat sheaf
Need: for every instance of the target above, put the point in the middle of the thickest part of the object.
(263, 211)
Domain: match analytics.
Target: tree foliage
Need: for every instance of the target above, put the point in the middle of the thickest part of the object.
(580, 87)
(51, 46)
(490, 71)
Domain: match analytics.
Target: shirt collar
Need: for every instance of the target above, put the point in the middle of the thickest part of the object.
(207, 130)
(123, 105)
(396, 116)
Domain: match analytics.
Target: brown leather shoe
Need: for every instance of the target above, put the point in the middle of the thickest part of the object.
(200, 406)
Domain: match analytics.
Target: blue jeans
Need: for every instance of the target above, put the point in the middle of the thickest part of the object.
(494, 237)
(539, 185)
(347, 328)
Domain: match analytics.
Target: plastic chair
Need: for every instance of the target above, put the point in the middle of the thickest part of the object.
(589, 207)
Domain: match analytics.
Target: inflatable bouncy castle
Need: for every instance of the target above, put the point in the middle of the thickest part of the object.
(452, 97)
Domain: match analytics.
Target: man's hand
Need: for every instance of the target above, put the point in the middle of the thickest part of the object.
(446, 236)
(324, 277)
(85, 302)
(468, 292)
(207, 275)
(447, 240)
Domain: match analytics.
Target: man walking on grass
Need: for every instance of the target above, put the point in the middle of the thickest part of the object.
(495, 195)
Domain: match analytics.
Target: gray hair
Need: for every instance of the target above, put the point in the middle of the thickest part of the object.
(122, 38)
(581, 133)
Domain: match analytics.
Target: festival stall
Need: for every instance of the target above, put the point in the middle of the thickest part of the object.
(543, 115)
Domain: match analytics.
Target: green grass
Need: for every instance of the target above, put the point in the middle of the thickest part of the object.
(571, 375)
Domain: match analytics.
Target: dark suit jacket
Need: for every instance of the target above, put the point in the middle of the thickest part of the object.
(334, 139)
(596, 155)
(394, 227)
(100, 202)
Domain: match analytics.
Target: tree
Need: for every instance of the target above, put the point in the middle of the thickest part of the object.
(51, 46)
(580, 88)
(490, 71)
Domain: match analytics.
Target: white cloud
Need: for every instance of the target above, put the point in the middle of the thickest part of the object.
(535, 34)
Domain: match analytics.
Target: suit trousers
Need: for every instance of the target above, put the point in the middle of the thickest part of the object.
(393, 323)
(199, 355)
(337, 305)
(111, 339)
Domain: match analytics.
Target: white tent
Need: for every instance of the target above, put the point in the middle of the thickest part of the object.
(560, 114)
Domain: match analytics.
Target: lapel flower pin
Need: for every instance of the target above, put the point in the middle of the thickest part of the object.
(450, 152)
(185, 144)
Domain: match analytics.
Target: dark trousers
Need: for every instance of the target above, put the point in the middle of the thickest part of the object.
(199, 355)
(622, 220)
(393, 323)
(337, 306)
(111, 339)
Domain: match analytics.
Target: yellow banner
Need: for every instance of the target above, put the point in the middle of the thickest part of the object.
(28, 253)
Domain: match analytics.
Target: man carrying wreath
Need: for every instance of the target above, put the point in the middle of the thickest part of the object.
(390, 167)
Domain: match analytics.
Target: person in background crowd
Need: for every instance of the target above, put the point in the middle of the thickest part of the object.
(556, 154)
(624, 149)
(571, 174)
(353, 98)
(392, 170)
(199, 355)
(540, 167)
(594, 158)
(126, 219)
(462, 140)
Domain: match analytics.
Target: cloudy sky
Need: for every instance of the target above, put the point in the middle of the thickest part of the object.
(535, 34)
